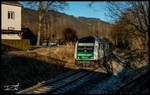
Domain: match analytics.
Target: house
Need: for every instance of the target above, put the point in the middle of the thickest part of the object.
(11, 20)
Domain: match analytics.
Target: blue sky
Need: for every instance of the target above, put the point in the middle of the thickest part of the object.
(81, 8)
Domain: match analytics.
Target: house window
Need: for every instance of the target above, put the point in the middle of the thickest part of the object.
(11, 15)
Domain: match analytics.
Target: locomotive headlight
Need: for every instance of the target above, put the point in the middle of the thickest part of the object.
(96, 43)
(79, 57)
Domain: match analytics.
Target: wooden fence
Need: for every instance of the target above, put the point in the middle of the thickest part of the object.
(8, 45)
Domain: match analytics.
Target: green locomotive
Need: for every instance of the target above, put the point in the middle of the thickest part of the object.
(91, 51)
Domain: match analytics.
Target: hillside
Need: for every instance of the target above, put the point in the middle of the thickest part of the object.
(57, 22)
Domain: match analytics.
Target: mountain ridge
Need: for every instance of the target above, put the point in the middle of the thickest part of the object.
(57, 22)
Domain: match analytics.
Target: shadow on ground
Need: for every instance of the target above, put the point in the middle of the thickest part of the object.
(27, 71)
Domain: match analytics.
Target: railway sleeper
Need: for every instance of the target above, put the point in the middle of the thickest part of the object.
(60, 77)
(75, 85)
(66, 81)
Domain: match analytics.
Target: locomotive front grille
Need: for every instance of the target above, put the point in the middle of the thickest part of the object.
(85, 55)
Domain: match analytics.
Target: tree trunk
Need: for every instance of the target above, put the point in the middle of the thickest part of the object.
(45, 29)
(40, 23)
(39, 32)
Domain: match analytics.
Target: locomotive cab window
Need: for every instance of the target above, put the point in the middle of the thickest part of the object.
(85, 48)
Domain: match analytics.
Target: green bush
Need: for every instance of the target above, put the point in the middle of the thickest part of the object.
(23, 44)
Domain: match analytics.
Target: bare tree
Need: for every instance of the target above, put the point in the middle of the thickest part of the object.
(134, 13)
(43, 7)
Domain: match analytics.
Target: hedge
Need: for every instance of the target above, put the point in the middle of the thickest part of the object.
(23, 44)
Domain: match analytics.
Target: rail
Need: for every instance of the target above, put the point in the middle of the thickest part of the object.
(61, 84)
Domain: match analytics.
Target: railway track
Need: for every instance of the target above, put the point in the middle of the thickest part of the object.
(62, 84)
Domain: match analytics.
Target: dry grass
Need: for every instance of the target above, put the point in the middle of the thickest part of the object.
(64, 53)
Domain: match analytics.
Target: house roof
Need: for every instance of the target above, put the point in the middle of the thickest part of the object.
(14, 3)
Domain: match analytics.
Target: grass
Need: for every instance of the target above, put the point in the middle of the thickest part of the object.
(65, 53)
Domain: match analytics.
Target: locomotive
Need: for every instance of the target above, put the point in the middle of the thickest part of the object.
(92, 51)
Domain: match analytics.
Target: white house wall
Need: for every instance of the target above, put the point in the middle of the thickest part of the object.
(10, 36)
(16, 23)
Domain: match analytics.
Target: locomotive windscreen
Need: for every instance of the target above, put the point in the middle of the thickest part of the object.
(87, 40)
(85, 48)
(86, 44)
